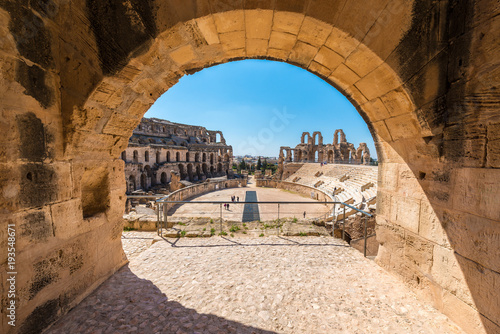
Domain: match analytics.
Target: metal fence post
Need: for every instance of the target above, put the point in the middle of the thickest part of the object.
(278, 224)
(343, 226)
(158, 224)
(220, 216)
(364, 250)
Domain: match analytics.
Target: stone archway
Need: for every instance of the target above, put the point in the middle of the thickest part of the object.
(439, 139)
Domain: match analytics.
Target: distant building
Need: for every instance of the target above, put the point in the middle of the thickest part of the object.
(159, 147)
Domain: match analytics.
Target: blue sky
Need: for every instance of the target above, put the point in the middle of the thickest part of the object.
(260, 105)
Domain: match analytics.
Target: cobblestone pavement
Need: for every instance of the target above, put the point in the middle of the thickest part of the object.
(252, 285)
(134, 243)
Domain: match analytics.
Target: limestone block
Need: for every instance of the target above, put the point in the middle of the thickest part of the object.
(473, 237)
(476, 191)
(464, 315)
(341, 42)
(375, 110)
(258, 23)
(328, 58)
(447, 272)
(68, 219)
(408, 185)
(256, 47)
(119, 124)
(382, 131)
(398, 102)
(386, 177)
(493, 154)
(282, 40)
(287, 22)
(233, 40)
(383, 203)
(32, 227)
(405, 212)
(230, 21)
(314, 32)
(208, 29)
(183, 55)
(392, 23)
(319, 69)
(391, 250)
(403, 126)
(355, 94)
(418, 253)
(482, 283)
(278, 54)
(363, 61)
(378, 82)
(430, 226)
(343, 76)
(303, 53)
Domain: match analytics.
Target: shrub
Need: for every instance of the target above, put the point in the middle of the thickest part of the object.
(234, 228)
(261, 235)
(223, 233)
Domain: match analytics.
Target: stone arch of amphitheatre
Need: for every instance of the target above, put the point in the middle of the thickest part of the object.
(79, 76)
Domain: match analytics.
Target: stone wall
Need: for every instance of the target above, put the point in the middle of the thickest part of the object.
(185, 194)
(302, 189)
(77, 77)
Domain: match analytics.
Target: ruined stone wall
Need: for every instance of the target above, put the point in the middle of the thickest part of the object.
(302, 189)
(77, 77)
(158, 146)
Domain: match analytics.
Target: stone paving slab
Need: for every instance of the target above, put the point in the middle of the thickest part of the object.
(252, 285)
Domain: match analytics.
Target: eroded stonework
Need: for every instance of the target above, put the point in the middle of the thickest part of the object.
(159, 148)
(337, 152)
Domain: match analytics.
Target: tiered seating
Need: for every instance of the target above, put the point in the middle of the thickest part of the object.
(358, 182)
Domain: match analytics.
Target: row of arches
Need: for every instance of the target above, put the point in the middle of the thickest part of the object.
(149, 177)
(161, 157)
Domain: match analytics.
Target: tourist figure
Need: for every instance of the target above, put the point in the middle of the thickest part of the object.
(228, 206)
(304, 214)
(238, 198)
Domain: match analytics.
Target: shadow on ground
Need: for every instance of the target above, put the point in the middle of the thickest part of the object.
(126, 303)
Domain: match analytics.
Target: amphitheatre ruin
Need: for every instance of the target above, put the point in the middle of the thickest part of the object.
(77, 78)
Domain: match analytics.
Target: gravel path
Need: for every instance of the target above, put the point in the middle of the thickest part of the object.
(251, 285)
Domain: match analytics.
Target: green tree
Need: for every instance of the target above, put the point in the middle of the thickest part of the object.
(259, 164)
(264, 166)
(243, 165)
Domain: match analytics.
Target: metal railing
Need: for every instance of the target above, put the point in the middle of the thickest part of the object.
(163, 206)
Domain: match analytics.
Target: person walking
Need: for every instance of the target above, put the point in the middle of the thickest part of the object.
(228, 206)
(304, 214)
(238, 198)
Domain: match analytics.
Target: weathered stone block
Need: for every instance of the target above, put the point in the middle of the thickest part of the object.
(476, 191)
(430, 226)
(378, 82)
(405, 212)
(344, 77)
(362, 61)
(398, 102)
(208, 29)
(473, 237)
(233, 40)
(287, 22)
(230, 21)
(183, 55)
(403, 126)
(258, 24)
(282, 40)
(314, 32)
(328, 58)
(446, 271)
(376, 110)
(256, 47)
(303, 53)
